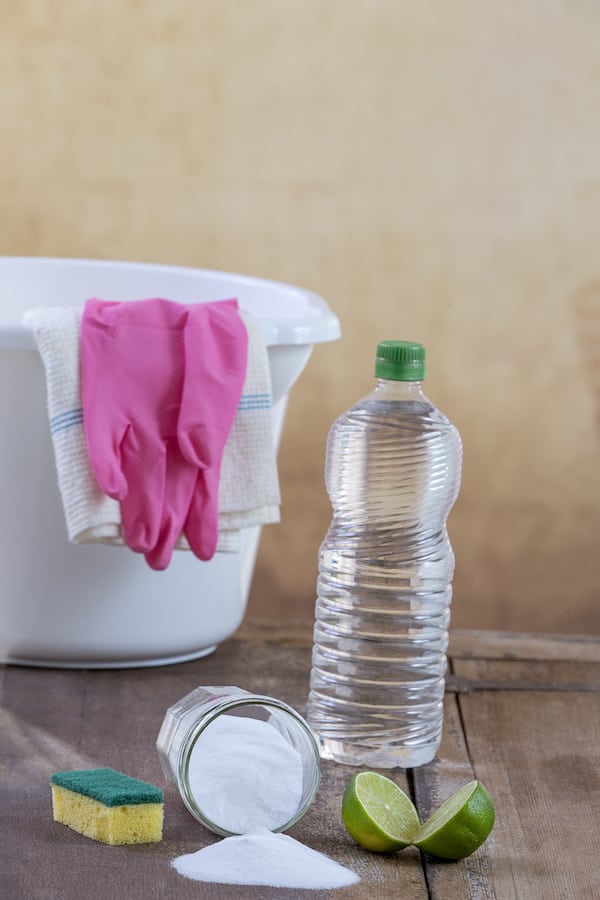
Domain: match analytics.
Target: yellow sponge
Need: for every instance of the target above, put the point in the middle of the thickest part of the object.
(108, 806)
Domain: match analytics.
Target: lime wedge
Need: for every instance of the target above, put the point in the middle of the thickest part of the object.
(378, 814)
(460, 825)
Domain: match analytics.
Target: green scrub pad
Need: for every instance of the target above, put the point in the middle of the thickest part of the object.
(108, 806)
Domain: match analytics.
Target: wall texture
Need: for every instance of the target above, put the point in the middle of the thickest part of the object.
(431, 169)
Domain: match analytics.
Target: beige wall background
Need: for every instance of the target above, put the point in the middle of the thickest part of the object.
(432, 169)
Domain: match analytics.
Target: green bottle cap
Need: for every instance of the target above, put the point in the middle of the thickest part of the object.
(400, 361)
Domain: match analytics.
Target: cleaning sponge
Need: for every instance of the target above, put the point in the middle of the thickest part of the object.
(108, 806)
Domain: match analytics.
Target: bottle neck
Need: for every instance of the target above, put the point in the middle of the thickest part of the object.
(400, 390)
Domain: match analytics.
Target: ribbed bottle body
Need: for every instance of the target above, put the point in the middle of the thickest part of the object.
(393, 471)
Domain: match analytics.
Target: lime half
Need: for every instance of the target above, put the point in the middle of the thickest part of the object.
(378, 814)
(460, 825)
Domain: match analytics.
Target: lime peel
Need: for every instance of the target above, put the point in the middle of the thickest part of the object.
(460, 825)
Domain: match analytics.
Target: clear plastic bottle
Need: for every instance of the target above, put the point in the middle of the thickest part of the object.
(393, 468)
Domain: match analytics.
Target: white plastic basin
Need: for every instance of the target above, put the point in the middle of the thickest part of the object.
(92, 605)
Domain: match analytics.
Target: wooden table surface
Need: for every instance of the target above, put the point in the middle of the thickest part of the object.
(522, 715)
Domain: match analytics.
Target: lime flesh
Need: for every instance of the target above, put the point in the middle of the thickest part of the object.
(460, 825)
(378, 814)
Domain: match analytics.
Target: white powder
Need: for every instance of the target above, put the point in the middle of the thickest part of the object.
(273, 860)
(245, 775)
(247, 778)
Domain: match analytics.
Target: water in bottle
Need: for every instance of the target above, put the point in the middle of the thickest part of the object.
(393, 468)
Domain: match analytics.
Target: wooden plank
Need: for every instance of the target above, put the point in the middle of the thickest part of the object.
(539, 675)
(535, 751)
(298, 633)
(509, 645)
(539, 756)
(434, 783)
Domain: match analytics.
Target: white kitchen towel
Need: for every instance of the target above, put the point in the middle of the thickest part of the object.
(249, 486)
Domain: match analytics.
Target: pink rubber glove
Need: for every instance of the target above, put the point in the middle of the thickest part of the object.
(133, 372)
(216, 356)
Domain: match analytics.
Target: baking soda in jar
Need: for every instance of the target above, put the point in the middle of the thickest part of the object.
(242, 762)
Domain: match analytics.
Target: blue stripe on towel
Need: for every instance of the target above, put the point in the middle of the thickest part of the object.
(66, 419)
(70, 417)
(255, 401)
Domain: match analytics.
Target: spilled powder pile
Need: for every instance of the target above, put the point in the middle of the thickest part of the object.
(264, 858)
(245, 775)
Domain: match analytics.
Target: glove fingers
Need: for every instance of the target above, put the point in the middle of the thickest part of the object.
(192, 431)
(159, 556)
(180, 485)
(194, 443)
(216, 356)
(201, 526)
(144, 465)
(215, 361)
(105, 459)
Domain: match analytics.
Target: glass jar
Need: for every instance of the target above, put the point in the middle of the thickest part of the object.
(241, 762)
